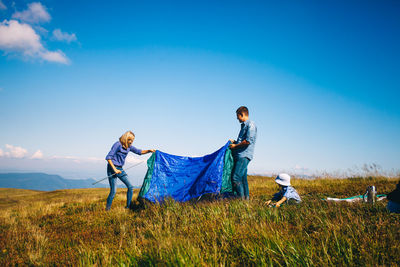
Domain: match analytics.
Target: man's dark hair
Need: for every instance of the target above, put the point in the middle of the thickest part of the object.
(243, 110)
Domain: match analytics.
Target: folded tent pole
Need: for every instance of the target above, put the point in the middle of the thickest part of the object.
(134, 165)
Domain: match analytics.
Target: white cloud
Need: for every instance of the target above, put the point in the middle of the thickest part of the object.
(93, 159)
(22, 39)
(1, 153)
(63, 36)
(15, 152)
(65, 157)
(54, 56)
(40, 30)
(130, 159)
(78, 159)
(36, 13)
(19, 37)
(37, 155)
(298, 167)
(2, 6)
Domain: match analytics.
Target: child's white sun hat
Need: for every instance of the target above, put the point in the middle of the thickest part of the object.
(283, 179)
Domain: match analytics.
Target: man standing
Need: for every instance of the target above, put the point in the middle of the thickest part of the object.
(243, 150)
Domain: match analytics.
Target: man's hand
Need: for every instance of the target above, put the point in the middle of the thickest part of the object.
(241, 144)
(232, 141)
(267, 202)
(117, 171)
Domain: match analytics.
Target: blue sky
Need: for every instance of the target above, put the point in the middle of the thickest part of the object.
(321, 80)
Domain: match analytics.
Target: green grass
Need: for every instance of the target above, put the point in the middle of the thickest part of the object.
(70, 227)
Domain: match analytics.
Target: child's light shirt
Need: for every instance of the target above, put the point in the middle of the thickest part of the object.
(288, 192)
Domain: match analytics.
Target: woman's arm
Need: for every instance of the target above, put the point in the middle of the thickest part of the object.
(112, 166)
(148, 151)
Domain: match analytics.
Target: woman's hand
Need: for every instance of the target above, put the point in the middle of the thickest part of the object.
(148, 151)
(113, 166)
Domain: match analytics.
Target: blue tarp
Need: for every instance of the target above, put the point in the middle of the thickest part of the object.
(184, 178)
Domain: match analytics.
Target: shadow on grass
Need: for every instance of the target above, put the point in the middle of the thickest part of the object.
(141, 203)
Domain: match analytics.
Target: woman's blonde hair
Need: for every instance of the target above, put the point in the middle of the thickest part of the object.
(125, 137)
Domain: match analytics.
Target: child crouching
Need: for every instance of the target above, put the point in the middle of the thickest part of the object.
(286, 192)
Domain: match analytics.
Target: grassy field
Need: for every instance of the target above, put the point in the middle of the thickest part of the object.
(70, 227)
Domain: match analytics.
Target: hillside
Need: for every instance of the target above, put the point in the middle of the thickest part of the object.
(43, 182)
(70, 227)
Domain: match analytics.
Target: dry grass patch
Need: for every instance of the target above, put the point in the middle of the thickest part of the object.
(71, 227)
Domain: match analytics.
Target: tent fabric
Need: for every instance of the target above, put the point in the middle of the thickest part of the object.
(185, 178)
(354, 198)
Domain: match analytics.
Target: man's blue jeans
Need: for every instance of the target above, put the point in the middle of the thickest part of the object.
(112, 179)
(393, 207)
(239, 178)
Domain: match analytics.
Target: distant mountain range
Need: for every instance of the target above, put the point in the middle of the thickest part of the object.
(43, 182)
